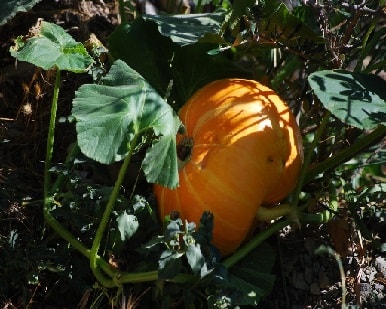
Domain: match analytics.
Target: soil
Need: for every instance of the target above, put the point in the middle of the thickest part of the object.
(304, 279)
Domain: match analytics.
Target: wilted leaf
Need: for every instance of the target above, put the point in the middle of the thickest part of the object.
(340, 234)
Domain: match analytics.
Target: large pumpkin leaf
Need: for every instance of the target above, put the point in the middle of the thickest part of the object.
(164, 63)
(357, 99)
(188, 28)
(144, 49)
(9, 8)
(111, 115)
(52, 47)
(188, 76)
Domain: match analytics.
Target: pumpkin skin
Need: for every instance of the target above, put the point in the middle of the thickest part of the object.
(246, 152)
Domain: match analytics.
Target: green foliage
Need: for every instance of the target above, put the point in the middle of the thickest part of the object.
(244, 284)
(50, 46)
(189, 28)
(181, 239)
(159, 62)
(9, 8)
(355, 98)
(112, 115)
(164, 63)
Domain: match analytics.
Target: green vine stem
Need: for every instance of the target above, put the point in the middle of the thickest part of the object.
(308, 157)
(254, 242)
(51, 135)
(118, 278)
(362, 143)
(106, 216)
(362, 55)
(48, 200)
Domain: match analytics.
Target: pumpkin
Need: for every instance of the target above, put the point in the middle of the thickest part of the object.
(241, 148)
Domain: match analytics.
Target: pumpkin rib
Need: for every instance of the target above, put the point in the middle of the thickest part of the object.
(228, 193)
(200, 204)
(222, 227)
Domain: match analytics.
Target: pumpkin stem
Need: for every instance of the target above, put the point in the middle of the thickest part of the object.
(184, 150)
(267, 214)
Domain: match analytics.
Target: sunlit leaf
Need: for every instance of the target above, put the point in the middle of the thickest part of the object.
(109, 116)
(357, 99)
(127, 225)
(195, 258)
(187, 28)
(50, 46)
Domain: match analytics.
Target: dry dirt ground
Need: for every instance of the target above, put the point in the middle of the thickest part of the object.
(303, 278)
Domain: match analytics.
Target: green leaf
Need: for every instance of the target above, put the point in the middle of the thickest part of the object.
(189, 76)
(160, 162)
(164, 63)
(169, 264)
(9, 8)
(127, 225)
(276, 26)
(172, 229)
(188, 28)
(195, 258)
(145, 50)
(113, 114)
(357, 99)
(52, 47)
(239, 9)
(252, 276)
(288, 30)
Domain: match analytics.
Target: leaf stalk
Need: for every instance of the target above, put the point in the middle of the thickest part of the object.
(51, 136)
(106, 216)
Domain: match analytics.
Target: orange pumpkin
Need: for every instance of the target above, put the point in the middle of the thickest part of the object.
(241, 149)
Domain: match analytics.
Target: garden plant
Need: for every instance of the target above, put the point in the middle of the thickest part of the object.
(114, 239)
